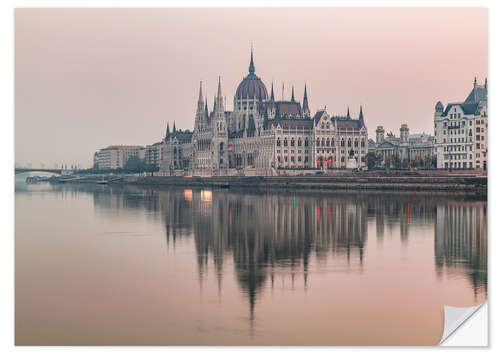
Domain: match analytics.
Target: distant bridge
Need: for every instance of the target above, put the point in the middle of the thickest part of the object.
(54, 171)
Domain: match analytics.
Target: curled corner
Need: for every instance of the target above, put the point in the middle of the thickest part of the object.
(454, 317)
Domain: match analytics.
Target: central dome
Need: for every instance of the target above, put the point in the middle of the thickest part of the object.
(251, 86)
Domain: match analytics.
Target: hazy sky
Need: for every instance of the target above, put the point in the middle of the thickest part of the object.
(89, 78)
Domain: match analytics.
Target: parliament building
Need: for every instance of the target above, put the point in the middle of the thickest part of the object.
(263, 136)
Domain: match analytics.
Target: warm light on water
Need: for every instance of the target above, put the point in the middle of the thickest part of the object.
(162, 267)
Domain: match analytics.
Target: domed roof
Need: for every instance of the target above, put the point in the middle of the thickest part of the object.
(251, 86)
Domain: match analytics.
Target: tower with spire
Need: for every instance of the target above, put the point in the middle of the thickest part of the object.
(305, 103)
(361, 117)
(220, 158)
(199, 121)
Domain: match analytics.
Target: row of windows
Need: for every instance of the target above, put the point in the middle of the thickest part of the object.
(458, 123)
(458, 148)
(292, 142)
(292, 151)
(292, 159)
(457, 157)
(458, 140)
(458, 165)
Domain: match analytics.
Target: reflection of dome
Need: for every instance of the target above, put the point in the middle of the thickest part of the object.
(251, 86)
(439, 106)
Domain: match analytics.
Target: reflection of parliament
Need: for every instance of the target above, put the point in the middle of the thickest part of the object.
(263, 134)
(276, 237)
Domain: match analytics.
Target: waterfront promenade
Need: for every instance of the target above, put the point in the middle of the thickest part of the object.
(468, 182)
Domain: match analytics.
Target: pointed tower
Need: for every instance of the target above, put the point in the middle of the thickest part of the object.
(305, 103)
(206, 109)
(361, 117)
(220, 138)
(167, 134)
(293, 95)
(199, 121)
(251, 67)
(174, 130)
(348, 114)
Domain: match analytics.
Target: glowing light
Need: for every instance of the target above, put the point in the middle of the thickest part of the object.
(188, 195)
(206, 195)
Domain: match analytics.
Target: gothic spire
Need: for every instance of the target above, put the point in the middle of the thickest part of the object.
(251, 68)
(361, 117)
(200, 96)
(168, 130)
(206, 108)
(293, 95)
(475, 82)
(219, 91)
(348, 114)
(485, 82)
(174, 130)
(272, 91)
(305, 102)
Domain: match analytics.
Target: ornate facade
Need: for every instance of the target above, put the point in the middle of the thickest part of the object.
(461, 131)
(414, 150)
(262, 135)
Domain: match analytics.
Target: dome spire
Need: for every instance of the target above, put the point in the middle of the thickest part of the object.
(251, 68)
(293, 95)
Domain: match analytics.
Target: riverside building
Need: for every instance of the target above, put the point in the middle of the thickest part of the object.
(263, 135)
(116, 156)
(461, 131)
(414, 150)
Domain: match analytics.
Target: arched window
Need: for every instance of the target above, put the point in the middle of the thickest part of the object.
(327, 141)
(285, 142)
(356, 143)
(333, 142)
(306, 142)
(322, 141)
(278, 142)
(299, 142)
(349, 143)
(317, 142)
(292, 142)
(362, 143)
(342, 143)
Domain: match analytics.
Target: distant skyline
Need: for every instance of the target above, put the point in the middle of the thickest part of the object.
(89, 78)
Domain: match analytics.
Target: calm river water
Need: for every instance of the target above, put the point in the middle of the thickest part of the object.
(122, 265)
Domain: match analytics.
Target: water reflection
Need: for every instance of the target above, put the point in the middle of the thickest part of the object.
(229, 267)
(269, 235)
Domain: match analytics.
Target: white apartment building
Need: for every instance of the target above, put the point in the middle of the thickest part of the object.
(461, 131)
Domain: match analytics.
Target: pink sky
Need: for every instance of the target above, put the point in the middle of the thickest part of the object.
(89, 78)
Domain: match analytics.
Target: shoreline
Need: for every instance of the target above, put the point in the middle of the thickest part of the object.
(467, 185)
